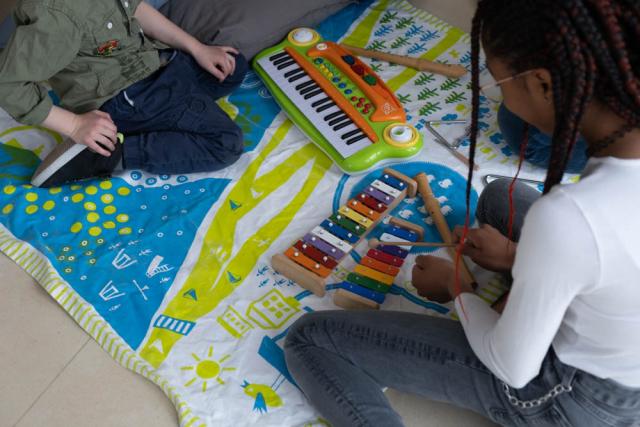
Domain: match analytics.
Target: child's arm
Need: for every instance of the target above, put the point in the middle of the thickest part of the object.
(215, 59)
(45, 41)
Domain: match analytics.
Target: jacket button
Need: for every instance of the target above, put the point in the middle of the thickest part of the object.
(110, 25)
(126, 4)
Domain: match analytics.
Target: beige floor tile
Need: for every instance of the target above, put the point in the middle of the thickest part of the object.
(417, 411)
(456, 12)
(37, 339)
(95, 391)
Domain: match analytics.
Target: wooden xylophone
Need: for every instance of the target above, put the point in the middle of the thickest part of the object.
(311, 259)
(371, 279)
(337, 101)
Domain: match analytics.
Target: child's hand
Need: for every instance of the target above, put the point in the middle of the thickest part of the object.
(96, 130)
(217, 60)
(432, 277)
(488, 248)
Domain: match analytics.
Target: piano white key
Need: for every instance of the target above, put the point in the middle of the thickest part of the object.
(304, 105)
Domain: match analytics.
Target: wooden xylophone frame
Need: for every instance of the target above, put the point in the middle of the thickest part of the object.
(316, 283)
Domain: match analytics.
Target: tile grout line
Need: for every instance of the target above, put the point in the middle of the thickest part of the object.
(64, 368)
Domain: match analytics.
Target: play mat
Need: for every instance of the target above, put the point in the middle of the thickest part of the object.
(171, 274)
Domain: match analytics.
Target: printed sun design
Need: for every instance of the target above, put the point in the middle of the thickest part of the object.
(207, 369)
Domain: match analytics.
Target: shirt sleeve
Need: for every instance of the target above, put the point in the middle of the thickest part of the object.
(556, 259)
(45, 42)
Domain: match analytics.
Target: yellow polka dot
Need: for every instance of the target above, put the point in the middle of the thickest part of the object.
(91, 190)
(93, 217)
(105, 185)
(7, 209)
(95, 231)
(78, 197)
(109, 210)
(10, 189)
(76, 227)
(31, 209)
(109, 225)
(76, 187)
(124, 231)
(106, 198)
(55, 190)
(90, 206)
(31, 197)
(27, 186)
(124, 191)
(48, 205)
(122, 218)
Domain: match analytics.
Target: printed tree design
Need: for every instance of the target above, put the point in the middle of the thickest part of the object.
(400, 41)
(404, 23)
(404, 98)
(430, 108)
(383, 30)
(450, 84)
(377, 45)
(416, 48)
(429, 35)
(388, 17)
(376, 67)
(427, 93)
(455, 97)
(414, 31)
(424, 79)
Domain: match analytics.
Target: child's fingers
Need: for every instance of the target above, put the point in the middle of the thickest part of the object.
(105, 142)
(215, 71)
(97, 148)
(229, 49)
(105, 115)
(232, 61)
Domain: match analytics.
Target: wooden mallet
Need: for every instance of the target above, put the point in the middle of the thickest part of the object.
(454, 71)
(374, 243)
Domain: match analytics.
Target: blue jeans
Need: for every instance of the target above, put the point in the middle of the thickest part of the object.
(538, 149)
(341, 360)
(172, 123)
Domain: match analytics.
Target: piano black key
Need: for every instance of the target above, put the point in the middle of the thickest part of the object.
(333, 115)
(278, 56)
(292, 72)
(320, 102)
(308, 89)
(355, 139)
(338, 119)
(297, 77)
(285, 58)
(350, 134)
(286, 64)
(321, 108)
(341, 125)
(313, 93)
(305, 84)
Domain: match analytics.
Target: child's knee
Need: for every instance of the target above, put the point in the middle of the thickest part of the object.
(232, 144)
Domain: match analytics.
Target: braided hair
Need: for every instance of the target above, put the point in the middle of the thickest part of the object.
(591, 49)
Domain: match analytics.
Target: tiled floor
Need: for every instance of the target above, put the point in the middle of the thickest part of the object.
(80, 385)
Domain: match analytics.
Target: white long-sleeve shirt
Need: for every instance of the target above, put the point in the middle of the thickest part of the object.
(576, 283)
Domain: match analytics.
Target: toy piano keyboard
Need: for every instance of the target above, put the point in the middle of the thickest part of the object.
(338, 101)
(311, 260)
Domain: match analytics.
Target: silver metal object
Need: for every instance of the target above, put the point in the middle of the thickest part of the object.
(491, 177)
(528, 404)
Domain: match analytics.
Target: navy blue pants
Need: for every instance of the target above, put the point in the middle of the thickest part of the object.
(539, 146)
(172, 123)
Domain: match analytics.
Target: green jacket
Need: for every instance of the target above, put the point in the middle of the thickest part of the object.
(88, 51)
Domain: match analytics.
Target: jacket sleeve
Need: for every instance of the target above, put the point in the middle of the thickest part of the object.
(45, 41)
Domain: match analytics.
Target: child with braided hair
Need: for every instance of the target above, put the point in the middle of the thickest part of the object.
(566, 349)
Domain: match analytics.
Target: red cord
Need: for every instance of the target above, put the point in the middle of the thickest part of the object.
(457, 286)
